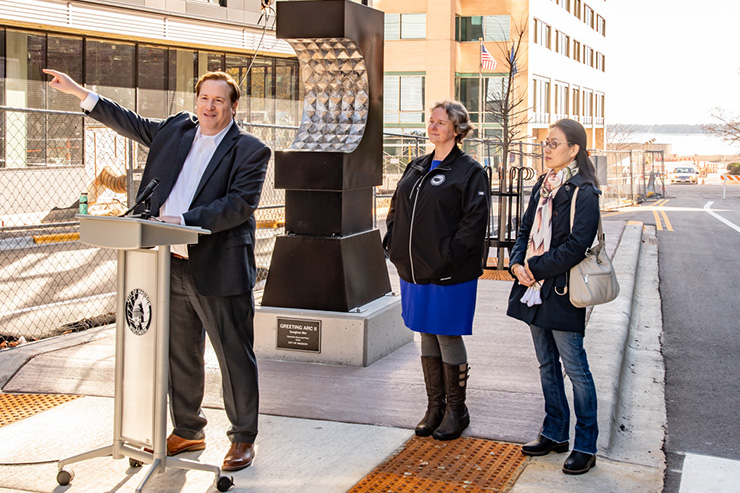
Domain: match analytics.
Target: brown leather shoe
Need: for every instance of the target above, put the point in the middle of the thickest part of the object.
(176, 444)
(238, 457)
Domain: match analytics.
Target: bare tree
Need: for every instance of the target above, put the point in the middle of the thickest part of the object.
(726, 127)
(621, 137)
(508, 106)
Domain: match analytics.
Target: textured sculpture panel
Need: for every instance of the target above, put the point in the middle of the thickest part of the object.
(335, 104)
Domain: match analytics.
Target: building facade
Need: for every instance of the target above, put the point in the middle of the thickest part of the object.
(145, 54)
(432, 52)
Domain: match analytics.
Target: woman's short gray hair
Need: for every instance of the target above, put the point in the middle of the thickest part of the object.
(459, 117)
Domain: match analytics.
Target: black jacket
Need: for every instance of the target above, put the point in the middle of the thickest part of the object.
(222, 263)
(437, 220)
(566, 250)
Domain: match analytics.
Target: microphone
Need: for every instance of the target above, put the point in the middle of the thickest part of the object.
(144, 196)
(147, 192)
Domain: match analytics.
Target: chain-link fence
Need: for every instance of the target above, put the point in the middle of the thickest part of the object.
(629, 176)
(51, 283)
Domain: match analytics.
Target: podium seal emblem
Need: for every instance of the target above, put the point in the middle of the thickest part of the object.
(138, 312)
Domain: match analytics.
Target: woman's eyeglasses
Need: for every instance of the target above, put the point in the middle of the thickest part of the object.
(552, 144)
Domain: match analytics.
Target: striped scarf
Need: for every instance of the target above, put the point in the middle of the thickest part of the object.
(541, 234)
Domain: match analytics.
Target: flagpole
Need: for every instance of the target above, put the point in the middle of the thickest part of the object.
(480, 99)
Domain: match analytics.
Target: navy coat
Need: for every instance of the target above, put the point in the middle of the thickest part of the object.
(222, 263)
(566, 250)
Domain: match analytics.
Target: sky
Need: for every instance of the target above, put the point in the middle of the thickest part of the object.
(672, 61)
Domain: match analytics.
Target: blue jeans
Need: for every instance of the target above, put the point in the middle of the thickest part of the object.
(551, 347)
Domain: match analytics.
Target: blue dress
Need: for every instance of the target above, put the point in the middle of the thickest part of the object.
(439, 309)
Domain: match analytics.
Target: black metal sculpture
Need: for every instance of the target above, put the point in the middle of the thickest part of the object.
(331, 258)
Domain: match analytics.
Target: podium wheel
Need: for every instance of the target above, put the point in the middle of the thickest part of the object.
(64, 477)
(223, 483)
(134, 463)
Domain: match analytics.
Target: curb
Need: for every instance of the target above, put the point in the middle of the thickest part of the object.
(608, 330)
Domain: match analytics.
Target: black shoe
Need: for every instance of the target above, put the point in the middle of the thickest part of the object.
(579, 463)
(543, 446)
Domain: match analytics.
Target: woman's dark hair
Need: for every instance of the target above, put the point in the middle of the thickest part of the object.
(576, 134)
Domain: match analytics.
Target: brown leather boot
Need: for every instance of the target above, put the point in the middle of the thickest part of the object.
(435, 384)
(456, 417)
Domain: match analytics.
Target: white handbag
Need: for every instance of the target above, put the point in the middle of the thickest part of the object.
(593, 280)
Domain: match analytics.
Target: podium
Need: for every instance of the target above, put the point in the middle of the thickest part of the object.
(142, 342)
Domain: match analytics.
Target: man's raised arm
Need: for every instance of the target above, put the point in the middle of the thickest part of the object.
(64, 83)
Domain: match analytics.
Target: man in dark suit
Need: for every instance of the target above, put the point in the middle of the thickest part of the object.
(211, 175)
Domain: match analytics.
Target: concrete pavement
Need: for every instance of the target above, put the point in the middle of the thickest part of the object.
(323, 428)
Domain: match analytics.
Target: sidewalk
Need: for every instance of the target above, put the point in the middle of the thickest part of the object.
(323, 428)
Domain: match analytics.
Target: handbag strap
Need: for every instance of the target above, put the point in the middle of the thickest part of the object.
(600, 235)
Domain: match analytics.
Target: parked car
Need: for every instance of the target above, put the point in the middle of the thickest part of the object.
(684, 174)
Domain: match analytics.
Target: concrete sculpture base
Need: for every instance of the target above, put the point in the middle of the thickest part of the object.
(356, 338)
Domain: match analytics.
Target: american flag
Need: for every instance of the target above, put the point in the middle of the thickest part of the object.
(486, 60)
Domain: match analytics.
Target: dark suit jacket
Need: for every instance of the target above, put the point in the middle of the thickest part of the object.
(566, 250)
(223, 262)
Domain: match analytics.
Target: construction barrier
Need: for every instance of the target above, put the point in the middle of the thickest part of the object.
(731, 179)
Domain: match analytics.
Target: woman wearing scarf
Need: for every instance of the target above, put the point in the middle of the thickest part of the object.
(544, 253)
(436, 232)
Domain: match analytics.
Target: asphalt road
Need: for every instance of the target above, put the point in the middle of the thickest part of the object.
(699, 279)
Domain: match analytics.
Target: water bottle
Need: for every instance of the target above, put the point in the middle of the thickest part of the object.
(83, 203)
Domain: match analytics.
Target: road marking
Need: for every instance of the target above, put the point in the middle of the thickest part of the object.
(668, 224)
(708, 208)
(657, 209)
(709, 474)
(657, 220)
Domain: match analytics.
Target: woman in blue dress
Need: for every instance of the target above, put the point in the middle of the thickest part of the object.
(436, 239)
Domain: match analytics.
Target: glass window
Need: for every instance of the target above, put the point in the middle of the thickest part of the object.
(152, 82)
(588, 56)
(109, 70)
(26, 56)
(287, 102)
(2, 97)
(405, 26)
(562, 44)
(392, 26)
(600, 62)
(577, 8)
(64, 55)
(541, 104)
(209, 62)
(576, 103)
(468, 28)
(26, 88)
(490, 28)
(181, 74)
(413, 26)
(261, 94)
(403, 98)
(496, 28)
(467, 92)
(237, 66)
(576, 50)
(588, 16)
(600, 25)
(541, 33)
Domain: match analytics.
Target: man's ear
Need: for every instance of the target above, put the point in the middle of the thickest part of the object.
(233, 108)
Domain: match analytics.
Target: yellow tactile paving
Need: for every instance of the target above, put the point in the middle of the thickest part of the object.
(14, 407)
(468, 465)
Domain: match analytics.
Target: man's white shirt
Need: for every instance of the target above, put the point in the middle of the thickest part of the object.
(201, 152)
